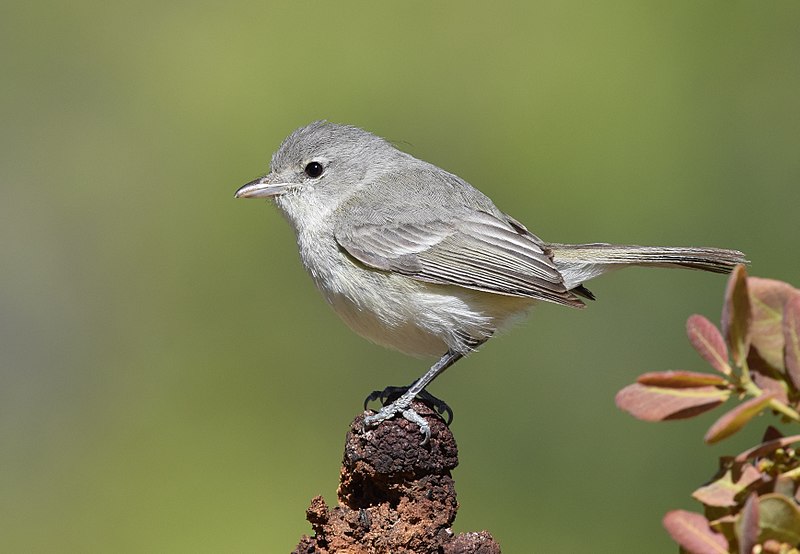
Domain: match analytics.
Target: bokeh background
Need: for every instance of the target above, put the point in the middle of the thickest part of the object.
(170, 380)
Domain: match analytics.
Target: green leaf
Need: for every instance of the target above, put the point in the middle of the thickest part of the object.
(680, 379)
(708, 341)
(659, 403)
(768, 299)
(779, 518)
(784, 484)
(735, 419)
(736, 315)
(791, 337)
(691, 532)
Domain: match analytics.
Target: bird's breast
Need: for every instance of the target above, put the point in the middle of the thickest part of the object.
(399, 312)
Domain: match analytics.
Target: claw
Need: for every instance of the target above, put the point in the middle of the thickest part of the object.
(402, 397)
(424, 428)
(374, 395)
(439, 406)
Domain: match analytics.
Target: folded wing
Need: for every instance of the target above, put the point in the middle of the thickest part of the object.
(472, 249)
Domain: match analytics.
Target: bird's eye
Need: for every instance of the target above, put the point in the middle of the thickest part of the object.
(314, 169)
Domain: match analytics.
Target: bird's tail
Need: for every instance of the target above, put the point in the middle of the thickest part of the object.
(580, 262)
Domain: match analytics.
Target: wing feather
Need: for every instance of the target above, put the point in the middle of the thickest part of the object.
(472, 249)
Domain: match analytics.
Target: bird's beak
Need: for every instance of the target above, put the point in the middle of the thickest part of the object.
(263, 187)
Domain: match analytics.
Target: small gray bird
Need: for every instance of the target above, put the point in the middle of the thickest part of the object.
(414, 258)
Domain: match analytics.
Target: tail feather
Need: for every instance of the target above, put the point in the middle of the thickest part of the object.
(580, 262)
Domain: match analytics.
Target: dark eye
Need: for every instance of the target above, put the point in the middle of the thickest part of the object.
(314, 169)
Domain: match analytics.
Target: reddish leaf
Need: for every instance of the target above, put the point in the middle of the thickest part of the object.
(768, 298)
(692, 532)
(771, 434)
(722, 493)
(680, 379)
(767, 447)
(736, 315)
(771, 546)
(658, 403)
(747, 529)
(735, 419)
(708, 341)
(724, 525)
(756, 363)
(769, 384)
(791, 337)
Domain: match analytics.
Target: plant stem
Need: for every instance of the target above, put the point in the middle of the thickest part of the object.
(754, 390)
(782, 408)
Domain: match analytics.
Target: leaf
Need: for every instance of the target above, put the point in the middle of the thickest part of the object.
(791, 338)
(691, 532)
(784, 484)
(771, 433)
(748, 525)
(723, 492)
(708, 341)
(768, 298)
(659, 403)
(736, 315)
(756, 363)
(771, 546)
(779, 518)
(680, 379)
(724, 525)
(770, 384)
(767, 447)
(735, 419)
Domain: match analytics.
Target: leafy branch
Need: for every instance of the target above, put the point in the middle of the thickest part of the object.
(751, 504)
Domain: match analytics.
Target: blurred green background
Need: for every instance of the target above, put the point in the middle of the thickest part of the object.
(172, 382)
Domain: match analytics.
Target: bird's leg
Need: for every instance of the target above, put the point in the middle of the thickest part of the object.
(402, 405)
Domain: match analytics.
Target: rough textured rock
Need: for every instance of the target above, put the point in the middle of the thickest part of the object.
(396, 495)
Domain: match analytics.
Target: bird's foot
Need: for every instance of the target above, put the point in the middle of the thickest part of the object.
(401, 406)
(391, 394)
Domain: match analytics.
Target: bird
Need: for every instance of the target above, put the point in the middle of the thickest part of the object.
(414, 258)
